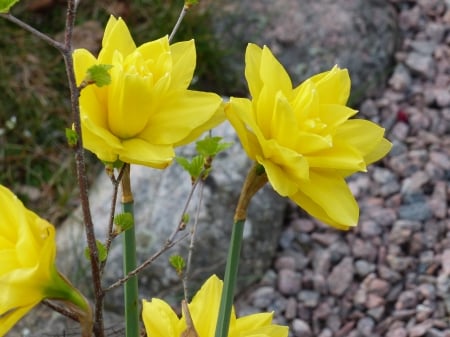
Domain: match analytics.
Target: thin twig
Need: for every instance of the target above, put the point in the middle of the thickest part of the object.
(58, 45)
(178, 23)
(150, 260)
(191, 244)
(81, 170)
(186, 205)
(110, 234)
(63, 311)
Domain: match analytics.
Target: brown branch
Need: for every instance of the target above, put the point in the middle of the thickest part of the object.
(81, 171)
(150, 260)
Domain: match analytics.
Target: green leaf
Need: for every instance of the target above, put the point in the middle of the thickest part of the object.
(5, 5)
(123, 221)
(193, 167)
(190, 3)
(178, 263)
(71, 136)
(185, 218)
(102, 253)
(211, 146)
(99, 74)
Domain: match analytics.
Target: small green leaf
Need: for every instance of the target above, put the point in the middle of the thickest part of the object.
(178, 263)
(123, 221)
(193, 167)
(102, 253)
(99, 74)
(185, 218)
(5, 5)
(211, 146)
(71, 136)
(190, 3)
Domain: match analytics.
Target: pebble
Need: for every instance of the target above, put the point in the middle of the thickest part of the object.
(289, 282)
(300, 328)
(341, 276)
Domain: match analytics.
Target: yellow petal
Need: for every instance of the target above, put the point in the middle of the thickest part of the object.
(215, 120)
(128, 105)
(266, 331)
(272, 73)
(207, 297)
(341, 156)
(100, 141)
(327, 197)
(82, 61)
(305, 102)
(157, 56)
(9, 319)
(138, 151)
(117, 37)
(254, 321)
(159, 319)
(383, 148)
(237, 112)
(265, 106)
(334, 115)
(179, 116)
(333, 86)
(283, 122)
(253, 55)
(366, 137)
(184, 59)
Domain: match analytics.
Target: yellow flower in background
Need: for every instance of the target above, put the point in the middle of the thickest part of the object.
(147, 109)
(303, 136)
(161, 321)
(27, 264)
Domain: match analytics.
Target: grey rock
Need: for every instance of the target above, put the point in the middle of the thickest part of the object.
(420, 329)
(421, 64)
(262, 297)
(417, 211)
(341, 276)
(406, 300)
(397, 332)
(365, 326)
(309, 298)
(286, 26)
(301, 329)
(401, 78)
(363, 268)
(289, 282)
(159, 197)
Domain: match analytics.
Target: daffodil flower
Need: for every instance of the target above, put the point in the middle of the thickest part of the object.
(28, 273)
(161, 321)
(147, 109)
(303, 136)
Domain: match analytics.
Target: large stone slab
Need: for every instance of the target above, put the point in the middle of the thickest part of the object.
(159, 199)
(309, 37)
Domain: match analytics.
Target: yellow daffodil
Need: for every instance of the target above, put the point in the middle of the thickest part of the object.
(147, 109)
(161, 321)
(27, 265)
(304, 137)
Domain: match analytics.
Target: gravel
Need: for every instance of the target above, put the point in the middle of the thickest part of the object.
(390, 276)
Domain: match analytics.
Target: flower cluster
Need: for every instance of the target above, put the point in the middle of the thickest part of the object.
(161, 321)
(147, 109)
(28, 273)
(304, 137)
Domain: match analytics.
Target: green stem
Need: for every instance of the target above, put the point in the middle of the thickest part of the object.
(131, 286)
(129, 263)
(229, 282)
